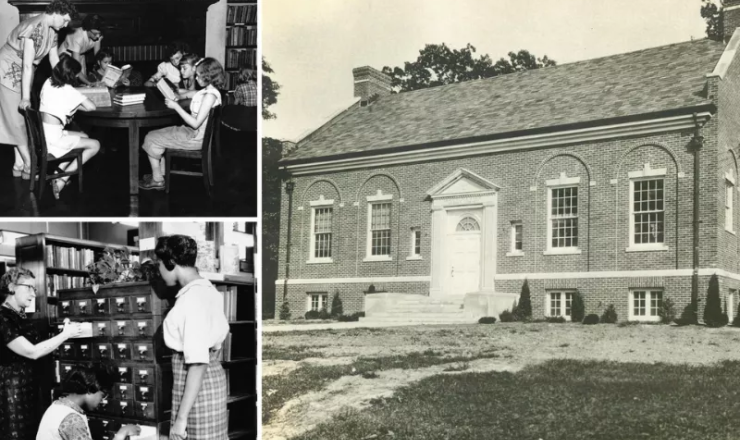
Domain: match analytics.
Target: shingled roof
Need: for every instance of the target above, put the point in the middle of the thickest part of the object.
(651, 80)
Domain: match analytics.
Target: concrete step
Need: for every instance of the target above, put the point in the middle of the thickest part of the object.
(420, 319)
(430, 315)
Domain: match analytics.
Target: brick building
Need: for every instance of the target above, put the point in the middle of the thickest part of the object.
(580, 177)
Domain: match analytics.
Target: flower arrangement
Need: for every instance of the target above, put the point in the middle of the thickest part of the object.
(115, 266)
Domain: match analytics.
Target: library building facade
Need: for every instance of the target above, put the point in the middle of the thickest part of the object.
(616, 178)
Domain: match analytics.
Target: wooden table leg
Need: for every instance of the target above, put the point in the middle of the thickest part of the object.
(133, 157)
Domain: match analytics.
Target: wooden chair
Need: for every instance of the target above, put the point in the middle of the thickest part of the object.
(42, 163)
(205, 154)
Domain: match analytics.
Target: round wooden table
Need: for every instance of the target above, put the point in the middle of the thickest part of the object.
(152, 113)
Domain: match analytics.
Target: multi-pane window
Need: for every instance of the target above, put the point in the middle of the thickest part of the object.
(648, 211)
(646, 303)
(560, 303)
(729, 199)
(415, 241)
(516, 237)
(380, 229)
(318, 301)
(322, 232)
(564, 217)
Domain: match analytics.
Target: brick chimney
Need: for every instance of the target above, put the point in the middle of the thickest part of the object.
(369, 81)
(731, 17)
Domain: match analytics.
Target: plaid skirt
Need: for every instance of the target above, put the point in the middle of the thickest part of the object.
(208, 419)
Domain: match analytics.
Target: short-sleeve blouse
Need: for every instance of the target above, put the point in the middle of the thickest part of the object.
(11, 54)
(12, 326)
(78, 41)
(197, 101)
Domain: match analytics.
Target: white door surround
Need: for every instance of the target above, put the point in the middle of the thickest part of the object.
(463, 194)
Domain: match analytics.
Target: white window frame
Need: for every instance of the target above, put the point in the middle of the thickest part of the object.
(562, 300)
(729, 203)
(556, 184)
(378, 199)
(513, 251)
(319, 204)
(646, 173)
(415, 235)
(323, 300)
(649, 293)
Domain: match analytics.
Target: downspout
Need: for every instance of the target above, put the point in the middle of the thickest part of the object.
(289, 187)
(697, 142)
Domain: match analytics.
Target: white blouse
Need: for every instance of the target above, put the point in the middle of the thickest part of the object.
(196, 324)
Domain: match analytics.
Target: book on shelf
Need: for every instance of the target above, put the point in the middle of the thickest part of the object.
(61, 257)
(226, 349)
(98, 95)
(114, 75)
(241, 14)
(229, 294)
(168, 89)
(56, 282)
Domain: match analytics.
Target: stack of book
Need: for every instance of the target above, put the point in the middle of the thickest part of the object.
(129, 98)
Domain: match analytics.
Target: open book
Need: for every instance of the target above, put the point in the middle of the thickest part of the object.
(114, 75)
(168, 89)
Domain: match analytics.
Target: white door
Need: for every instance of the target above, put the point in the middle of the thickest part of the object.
(463, 258)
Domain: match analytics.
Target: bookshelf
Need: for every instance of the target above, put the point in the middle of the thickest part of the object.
(241, 38)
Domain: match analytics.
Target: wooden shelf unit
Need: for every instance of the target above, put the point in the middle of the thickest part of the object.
(241, 39)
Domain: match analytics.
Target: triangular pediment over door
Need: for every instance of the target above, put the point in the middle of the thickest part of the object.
(462, 181)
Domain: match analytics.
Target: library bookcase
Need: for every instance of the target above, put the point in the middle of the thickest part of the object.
(125, 321)
(241, 39)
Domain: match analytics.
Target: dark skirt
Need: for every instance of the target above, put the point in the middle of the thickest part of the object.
(208, 418)
(18, 401)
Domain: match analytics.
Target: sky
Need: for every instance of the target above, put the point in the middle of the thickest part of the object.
(314, 45)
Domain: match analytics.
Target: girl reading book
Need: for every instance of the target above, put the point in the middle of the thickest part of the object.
(103, 59)
(210, 76)
(59, 101)
(187, 72)
(169, 68)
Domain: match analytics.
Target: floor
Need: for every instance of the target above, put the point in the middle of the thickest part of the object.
(106, 185)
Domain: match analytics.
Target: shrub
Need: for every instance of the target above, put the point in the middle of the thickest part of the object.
(487, 320)
(667, 311)
(591, 319)
(524, 310)
(285, 311)
(555, 319)
(337, 309)
(312, 314)
(577, 309)
(610, 315)
(351, 318)
(713, 316)
(736, 321)
(324, 314)
(506, 316)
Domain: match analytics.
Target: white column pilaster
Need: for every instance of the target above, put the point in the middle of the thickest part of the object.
(439, 220)
(488, 247)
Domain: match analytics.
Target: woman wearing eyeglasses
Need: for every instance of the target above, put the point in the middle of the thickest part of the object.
(20, 346)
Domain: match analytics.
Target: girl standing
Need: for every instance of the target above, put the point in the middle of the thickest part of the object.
(210, 76)
(194, 329)
(20, 346)
(59, 101)
(26, 46)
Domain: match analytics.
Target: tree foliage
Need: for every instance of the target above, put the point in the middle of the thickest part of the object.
(577, 308)
(270, 91)
(524, 309)
(713, 315)
(713, 17)
(437, 65)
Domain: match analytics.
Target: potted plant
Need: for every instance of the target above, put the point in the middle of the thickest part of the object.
(114, 266)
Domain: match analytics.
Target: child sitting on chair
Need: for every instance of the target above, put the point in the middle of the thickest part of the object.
(169, 68)
(102, 60)
(246, 89)
(82, 390)
(59, 101)
(210, 76)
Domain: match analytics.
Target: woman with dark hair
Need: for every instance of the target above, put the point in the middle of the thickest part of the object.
(169, 68)
(26, 46)
(59, 102)
(19, 348)
(82, 389)
(82, 40)
(210, 77)
(194, 329)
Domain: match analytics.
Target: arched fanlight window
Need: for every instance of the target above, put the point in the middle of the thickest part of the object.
(468, 224)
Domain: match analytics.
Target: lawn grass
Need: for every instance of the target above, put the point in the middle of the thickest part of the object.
(560, 399)
(278, 389)
(290, 352)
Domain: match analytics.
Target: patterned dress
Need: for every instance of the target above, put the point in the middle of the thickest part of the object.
(18, 389)
(12, 125)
